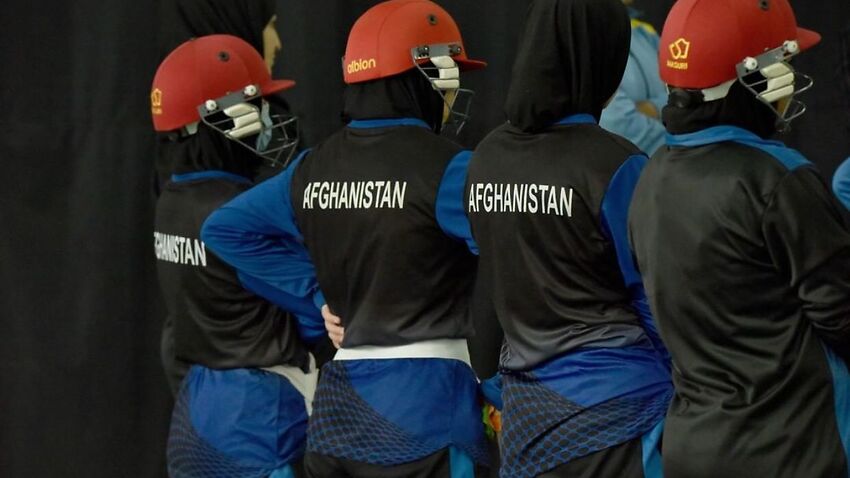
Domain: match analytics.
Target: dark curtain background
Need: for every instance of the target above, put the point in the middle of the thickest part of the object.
(81, 390)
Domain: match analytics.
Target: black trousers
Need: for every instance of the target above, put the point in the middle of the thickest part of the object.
(437, 465)
(621, 461)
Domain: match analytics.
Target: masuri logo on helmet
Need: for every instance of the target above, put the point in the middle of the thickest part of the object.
(679, 50)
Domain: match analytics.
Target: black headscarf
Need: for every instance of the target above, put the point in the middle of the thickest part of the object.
(408, 95)
(571, 60)
(246, 19)
(740, 108)
(207, 150)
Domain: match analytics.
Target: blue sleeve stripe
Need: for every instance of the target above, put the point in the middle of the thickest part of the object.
(841, 396)
(615, 214)
(841, 183)
(450, 207)
(615, 223)
(790, 158)
(209, 174)
(287, 196)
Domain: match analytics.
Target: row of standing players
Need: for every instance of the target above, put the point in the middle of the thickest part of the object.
(726, 249)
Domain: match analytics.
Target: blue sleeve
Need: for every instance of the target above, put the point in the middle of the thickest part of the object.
(257, 235)
(641, 82)
(622, 117)
(841, 183)
(450, 208)
(614, 217)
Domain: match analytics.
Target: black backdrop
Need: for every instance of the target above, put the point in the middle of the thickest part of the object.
(81, 391)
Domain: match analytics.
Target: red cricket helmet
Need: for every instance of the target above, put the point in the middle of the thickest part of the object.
(382, 39)
(207, 68)
(704, 41)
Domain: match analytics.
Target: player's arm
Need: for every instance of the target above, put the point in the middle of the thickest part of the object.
(256, 233)
(841, 183)
(451, 207)
(614, 216)
(623, 117)
(809, 241)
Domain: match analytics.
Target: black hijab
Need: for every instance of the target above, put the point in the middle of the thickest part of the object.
(207, 150)
(408, 95)
(740, 108)
(245, 19)
(571, 60)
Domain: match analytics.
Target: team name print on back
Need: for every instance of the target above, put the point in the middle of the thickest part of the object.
(522, 198)
(179, 249)
(355, 195)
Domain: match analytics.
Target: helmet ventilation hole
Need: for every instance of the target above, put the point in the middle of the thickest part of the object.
(223, 56)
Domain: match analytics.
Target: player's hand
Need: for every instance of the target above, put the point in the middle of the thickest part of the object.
(333, 324)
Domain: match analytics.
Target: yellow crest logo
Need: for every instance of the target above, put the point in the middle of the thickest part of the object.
(679, 50)
(156, 101)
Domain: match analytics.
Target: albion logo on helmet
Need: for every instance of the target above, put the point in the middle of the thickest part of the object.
(679, 50)
(156, 101)
(361, 65)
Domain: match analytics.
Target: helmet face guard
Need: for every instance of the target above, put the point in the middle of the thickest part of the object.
(436, 63)
(244, 117)
(772, 79)
(769, 77)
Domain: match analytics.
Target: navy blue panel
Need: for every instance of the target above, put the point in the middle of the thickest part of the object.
(841, 183)
(221, 424)
(789, 158)
(387, 123)
(591, 376)
(256, 234)
(450, 209)
(210, 174)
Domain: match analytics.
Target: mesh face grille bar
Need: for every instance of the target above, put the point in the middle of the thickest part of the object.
(444, 75)
(772, 79)
(273, 137)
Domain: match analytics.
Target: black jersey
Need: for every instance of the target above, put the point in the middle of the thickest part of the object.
(366, 201)
(537, 205)
(217, 322)
(746, 263)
